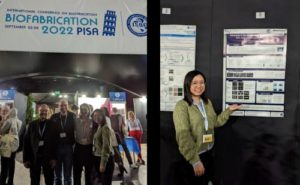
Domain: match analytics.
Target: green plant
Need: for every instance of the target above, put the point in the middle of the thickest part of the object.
(29, 109)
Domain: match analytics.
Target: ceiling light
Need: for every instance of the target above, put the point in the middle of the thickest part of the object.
(144, 99)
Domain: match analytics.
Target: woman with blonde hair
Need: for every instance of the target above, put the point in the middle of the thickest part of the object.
(136, 131)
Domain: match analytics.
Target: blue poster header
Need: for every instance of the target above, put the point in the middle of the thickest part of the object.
(7, 94)
(117, 96)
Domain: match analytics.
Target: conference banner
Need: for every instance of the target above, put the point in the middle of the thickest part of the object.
(74, 26)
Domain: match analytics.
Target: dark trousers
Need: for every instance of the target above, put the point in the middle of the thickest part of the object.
(106, 177)
(188, 173)
(7, 169)
(64, 164)
(82, 158)
(35, 171)
(122, 142)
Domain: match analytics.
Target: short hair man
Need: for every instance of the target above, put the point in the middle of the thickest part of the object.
(64, 122)
(38, 149)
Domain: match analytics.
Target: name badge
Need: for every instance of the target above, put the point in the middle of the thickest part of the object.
(207, 138)
(84, 140)
(41, 143)
(62, 135)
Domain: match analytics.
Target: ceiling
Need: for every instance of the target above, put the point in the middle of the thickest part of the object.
(35, 72)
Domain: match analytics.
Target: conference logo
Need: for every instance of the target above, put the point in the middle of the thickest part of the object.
(4, 93)
(137, 25)
(117, 95)
(110, 21)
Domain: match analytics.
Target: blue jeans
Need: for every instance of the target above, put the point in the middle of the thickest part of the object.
(64, 163)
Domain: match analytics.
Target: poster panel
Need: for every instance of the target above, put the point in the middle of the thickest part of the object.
(177, 57)
(254, 67)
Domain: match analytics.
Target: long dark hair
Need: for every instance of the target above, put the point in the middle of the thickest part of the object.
(187, 85)
(101, 112)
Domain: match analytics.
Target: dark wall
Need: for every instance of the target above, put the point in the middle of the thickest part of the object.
(243, 141)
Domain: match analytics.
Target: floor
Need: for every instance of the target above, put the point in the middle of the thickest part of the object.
(134, 176)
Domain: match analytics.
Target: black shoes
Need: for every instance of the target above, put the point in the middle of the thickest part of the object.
(141, 161)
(122, 170)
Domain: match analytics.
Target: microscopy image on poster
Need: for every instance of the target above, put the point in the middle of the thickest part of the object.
(177, 57)
(254, 66)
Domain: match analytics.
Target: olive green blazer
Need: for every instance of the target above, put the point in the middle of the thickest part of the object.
(102, 144)
(189, 127)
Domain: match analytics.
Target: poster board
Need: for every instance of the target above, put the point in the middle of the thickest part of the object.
(254, 65)
(177, 57)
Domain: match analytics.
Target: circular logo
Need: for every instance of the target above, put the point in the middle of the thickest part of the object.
(117, 95)
(137, 24)
(5, 93)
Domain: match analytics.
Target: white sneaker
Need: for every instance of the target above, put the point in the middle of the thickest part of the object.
(134, 166)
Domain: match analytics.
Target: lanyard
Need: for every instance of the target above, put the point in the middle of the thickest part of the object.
(203, 112)
(63, 124)
(41, 131)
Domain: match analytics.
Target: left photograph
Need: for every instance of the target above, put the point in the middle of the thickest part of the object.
(73, 92)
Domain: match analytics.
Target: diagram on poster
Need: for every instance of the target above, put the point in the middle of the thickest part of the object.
(254, 71)
(177, 57)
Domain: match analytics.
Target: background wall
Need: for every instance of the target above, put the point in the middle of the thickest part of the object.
(21, 105)
(244, 142)
(140, 109)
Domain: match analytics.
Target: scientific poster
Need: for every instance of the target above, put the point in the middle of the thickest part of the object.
(177, 57)
(254, 71)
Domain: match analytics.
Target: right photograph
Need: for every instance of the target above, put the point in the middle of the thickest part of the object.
(229, 93)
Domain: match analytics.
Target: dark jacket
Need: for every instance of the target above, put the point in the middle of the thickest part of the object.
(32, 138)
(68, 128)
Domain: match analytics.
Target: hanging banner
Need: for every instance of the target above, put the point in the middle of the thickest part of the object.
(7, 94)
(177, 57)
(254, 71)
(77, 26)
(117, 96)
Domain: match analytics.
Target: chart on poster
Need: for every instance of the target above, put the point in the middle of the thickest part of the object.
(254, 64)
(177, 57)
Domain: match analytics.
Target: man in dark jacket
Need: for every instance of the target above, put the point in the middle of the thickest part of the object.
(64, 124)
(38, 148)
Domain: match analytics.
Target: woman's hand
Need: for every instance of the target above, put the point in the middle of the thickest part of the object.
(199, 169)
(234, 107)
(102, 168)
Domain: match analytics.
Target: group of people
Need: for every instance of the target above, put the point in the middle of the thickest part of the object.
(65, 143)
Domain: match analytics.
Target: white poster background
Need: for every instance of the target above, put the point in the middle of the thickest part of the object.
(254, 71)
(126, 19)
(177, 57)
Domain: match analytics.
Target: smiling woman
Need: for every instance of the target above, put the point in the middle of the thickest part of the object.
(195, 119)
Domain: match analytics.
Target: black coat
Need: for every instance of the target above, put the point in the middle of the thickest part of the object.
(32, 138)
(68, 128)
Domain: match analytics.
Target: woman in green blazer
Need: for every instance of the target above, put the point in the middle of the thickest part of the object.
(195, 119)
